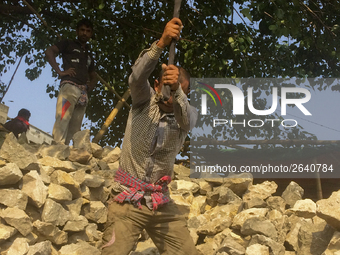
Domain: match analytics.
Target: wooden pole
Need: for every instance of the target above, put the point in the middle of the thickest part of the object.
(111, 117)
(112, 90)
(166, 89)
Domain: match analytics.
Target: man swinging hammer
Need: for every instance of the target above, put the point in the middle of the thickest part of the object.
(155, 131)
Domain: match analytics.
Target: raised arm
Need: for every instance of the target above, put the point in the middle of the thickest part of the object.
(185, 114)
(141, 70)
(147, 60)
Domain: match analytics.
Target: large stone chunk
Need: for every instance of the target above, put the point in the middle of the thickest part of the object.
(329, 209)
(292, 237)
(277, 203)
(74, 206)
(197, 221)
(257, 249)
(213, 196)
(227, 234)
(226, 195)
(45, 176)
(305, 208)
(90, 234)
(45, 228)
(99, 194)
(53, 212)
(60, 238)
(10, 174)
(197, 206)
(215, 220)
(292, 193)
(262, 190)
(205, 187)
(93, 233)
(59, 193)
(334, 245)
(64, 179)
(81, 140)
(95, 211)
(220, 218)
(97, 150)
(183, 201)
(240, 218)
(48, 170)
(42, 248)
(107, 150)
(181, 185)
(79, 176)
(93, 181)
(76, 224)
(181, 170)
(59, 151)
(313, 237)
(230, 246)
(81, 248)
(81, 156)
(275, 247)
(204, 248)
(13, 198)
(34, 187)
(18, 219)
(51, 232)
(13, 152)
(112, 156)
(57, 164)
(238, 183)
(259, 225)
(18, 247)
(255, 202)
(6, 232)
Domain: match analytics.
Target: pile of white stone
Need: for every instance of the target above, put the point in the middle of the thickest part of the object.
(52, 201)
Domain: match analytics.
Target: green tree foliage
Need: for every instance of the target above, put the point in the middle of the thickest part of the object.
(264, 39)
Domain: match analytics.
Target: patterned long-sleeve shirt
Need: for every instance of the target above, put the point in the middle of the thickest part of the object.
(153, 138)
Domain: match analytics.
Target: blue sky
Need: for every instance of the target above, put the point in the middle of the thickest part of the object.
(31, 95)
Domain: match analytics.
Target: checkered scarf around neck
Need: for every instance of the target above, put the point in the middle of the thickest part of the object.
(137, 189)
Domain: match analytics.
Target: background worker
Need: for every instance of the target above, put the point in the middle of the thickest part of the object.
(77, 79)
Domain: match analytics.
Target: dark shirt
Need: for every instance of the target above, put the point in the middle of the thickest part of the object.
(75, 56)
(16, 126)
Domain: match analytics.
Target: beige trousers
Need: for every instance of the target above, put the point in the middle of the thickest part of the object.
(166, 227)
(69, 115)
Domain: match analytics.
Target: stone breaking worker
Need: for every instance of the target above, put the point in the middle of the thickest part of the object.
(19, 124)
(77, 79)
(155, 131)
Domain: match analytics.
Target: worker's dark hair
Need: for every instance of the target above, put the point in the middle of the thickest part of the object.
(85, 22)
(26, 114)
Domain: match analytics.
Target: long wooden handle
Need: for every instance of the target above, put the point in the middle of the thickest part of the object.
(166, 90)
(173, 43)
